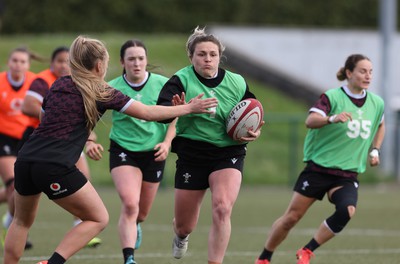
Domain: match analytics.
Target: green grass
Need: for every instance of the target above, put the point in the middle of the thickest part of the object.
(275, 158)
(371, 237)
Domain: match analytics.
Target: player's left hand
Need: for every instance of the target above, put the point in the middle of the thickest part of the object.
(94, 150)
(374, 161)
(162, 151)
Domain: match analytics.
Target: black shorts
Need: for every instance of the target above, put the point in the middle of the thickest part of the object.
(27, 133)
(192, 175)
(153, 171)
(55, 180)
(8, 146)
(316, 185)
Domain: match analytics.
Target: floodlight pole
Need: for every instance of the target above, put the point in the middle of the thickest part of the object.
(388, 29)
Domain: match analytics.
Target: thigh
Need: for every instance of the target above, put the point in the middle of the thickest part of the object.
(298, 205)
(7, 168)
(187, 206)
(83, 166)
(85, 204)
(26, 208)
(127, 181)
(225, 186)
(147, 196)
(346, 192)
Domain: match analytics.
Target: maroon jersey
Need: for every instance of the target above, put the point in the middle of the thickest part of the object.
(61, 136)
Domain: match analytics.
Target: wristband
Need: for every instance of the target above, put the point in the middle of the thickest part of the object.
(331, 119)
(374, 153)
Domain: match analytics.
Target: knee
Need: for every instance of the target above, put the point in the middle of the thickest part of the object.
(288, 221)
(221, 211)
(141, 216)
(351, 210)
(340, 218)
(183, 229)
(130, 208)
(104, 220)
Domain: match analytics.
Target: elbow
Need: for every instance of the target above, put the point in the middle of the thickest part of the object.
(27, 112)
(308, 123)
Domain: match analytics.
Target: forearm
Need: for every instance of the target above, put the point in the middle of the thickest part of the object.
(156, 112)
(316, 120)
(171, 132)
(31, 107)
(380, 134)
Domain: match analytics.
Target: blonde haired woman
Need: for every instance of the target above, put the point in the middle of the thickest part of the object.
(46, 162)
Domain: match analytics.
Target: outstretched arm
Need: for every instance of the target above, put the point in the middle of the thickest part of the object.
(158, 112)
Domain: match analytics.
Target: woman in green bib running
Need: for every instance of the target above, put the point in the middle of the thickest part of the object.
(207, 156)
(344, 125)
(138, 148)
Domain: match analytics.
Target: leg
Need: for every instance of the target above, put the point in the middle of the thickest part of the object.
(224, 186)
(345, 200)
(128, 181)
(147, 196)
(83, 166)
(298, 206)
(7, 175)
(88, 206)
(25, 212)
(187, 210)
(3, 195)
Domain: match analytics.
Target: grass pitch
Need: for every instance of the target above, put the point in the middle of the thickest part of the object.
(371, 237)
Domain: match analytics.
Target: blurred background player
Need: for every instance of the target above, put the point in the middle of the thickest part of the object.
(207, 156)
(59, 66)
(138, 148)
(343, 124)
(14, 83)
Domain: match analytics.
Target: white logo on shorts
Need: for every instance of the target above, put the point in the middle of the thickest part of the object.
(234, 160)
(123, 156)
(158, 174)
(7, 149)
(305, 185)
(187, 176)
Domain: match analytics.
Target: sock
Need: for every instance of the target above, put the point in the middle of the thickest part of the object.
(266, 254)
(128, 252)
(56, 259)
(312, 245)
(7, 219)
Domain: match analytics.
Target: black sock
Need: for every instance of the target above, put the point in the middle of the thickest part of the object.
(312, 245)
(128, 252)
(56, 259)
(266, 254)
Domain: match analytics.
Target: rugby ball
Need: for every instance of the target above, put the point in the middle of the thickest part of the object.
(246, 115)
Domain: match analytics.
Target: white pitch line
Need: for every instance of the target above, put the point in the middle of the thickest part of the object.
(364, 251)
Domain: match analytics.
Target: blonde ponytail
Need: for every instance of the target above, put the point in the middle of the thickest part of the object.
(85, 53)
